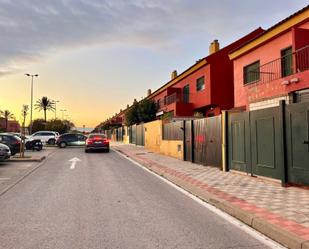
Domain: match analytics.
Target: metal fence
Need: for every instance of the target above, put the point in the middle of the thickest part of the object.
(272, 142)
(108, 134)
(173, 131)
(119, 134)
(132, 134)
(288, 64)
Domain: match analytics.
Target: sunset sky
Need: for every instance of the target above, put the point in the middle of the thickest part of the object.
(96, 56)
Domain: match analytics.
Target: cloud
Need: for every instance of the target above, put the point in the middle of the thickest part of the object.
(30, 29)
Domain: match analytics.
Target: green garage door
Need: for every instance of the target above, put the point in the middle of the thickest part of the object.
(266, 143)
(297, 137)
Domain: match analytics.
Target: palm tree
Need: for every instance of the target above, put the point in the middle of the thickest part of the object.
(45, 104)
(7, 115)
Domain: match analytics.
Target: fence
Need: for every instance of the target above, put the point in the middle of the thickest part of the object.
(119, 134)
(272, 142)
(108, 134)
(137, 134)
(202, 141)
(173, 131)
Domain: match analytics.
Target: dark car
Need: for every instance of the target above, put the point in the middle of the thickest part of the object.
(5, 152)
(12, 141)
(71, 139)
(97, 142)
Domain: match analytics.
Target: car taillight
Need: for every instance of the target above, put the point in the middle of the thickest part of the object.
(89, 141)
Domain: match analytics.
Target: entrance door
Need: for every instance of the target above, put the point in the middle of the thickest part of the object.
(297, 137)
(213, 141)
(188, 141)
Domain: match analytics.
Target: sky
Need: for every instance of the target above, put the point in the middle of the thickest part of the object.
(96, 56)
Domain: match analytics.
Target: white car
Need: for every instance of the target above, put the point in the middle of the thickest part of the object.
(48, 137)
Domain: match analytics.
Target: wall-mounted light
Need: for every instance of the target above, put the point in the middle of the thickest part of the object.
(294, 80)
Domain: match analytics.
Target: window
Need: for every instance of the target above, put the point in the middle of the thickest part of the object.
(185, 92)
(252, 72)
(200, 84)
(286, 62)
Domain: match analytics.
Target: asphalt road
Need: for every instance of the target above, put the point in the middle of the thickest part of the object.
(106, 201)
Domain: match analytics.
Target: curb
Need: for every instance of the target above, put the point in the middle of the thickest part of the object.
(31, 159)
(272, 231)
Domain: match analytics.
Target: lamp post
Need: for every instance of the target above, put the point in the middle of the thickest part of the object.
(63, 113)
(56, 101)
(31, 75)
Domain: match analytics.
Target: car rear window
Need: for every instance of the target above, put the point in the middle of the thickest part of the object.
(100, 136)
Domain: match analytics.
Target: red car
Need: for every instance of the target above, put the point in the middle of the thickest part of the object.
(97, 142)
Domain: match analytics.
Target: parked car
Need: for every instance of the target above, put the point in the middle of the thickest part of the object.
(49, 137)
(5, 152)
(97, 142)
(71, 139)
(35, 144)
(12, 141)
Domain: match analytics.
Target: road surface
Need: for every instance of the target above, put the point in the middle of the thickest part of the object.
(106, 201)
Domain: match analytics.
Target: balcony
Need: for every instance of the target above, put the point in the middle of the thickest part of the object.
(176, 102)
(289, 64)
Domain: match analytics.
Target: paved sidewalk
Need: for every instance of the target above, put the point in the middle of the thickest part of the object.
(280, 213)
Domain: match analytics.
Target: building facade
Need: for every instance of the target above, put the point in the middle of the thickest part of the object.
(274, 66)
(205, 88)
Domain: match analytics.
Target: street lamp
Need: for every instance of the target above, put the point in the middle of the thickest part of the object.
(63, 113)
(56, 101)
(31, 75)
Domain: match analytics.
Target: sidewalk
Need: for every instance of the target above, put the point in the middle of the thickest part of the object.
(280, 213)
(33, 156)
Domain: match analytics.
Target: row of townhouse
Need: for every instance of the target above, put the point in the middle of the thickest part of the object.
(252, 98)
(254, 72)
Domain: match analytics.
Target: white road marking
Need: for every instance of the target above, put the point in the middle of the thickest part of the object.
(249, 230)
(73, 161)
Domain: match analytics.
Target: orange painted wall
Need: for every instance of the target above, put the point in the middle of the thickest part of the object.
(245, 94)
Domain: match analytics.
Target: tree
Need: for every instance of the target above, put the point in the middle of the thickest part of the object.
(38, 125)
(7, 115)
(147, 110)
(61, 126)
(143, 111)
(132, 115)
(24, 113)
(45, 104)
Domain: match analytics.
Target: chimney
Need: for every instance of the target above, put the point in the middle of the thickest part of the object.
(135, 101)
(214, 47)
(174, 74)
(128, 106)
(148, 92)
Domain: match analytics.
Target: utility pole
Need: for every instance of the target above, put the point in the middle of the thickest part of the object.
(31, 75)
(56, 101)
(63, 113)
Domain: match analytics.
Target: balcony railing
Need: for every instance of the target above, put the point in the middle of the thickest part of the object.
(173, 98)
(293, 63)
